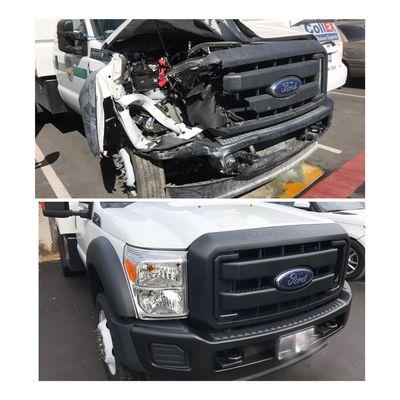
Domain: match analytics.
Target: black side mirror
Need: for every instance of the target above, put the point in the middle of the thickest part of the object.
(70, 41)
(57, 209)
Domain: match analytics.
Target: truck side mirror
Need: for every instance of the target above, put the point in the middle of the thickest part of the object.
(70, 41)
(303, 204)
(57, 209)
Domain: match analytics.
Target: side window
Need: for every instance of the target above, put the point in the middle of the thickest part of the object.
(79, 25)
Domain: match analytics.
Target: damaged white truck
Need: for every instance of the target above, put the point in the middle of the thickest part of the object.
(190, 108)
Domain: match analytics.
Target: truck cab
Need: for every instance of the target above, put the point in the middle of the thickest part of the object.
(205, 290)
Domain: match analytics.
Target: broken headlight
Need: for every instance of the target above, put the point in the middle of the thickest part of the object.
(158, 282)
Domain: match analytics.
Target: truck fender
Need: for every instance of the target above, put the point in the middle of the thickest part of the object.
(87, 103)
(103, 265)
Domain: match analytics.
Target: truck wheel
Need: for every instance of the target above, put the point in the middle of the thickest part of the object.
(356, 263)
(149, 178)
(66, 270)
(108, 352)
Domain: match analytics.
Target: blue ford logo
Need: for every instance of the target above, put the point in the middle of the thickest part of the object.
(294, 279)
(286, 86)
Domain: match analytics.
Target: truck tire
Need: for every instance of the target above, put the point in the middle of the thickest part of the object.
(356, 265)
(65, 269)
(114, 367)
(149, 178)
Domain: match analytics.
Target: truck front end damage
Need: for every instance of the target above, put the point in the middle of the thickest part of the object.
(221, 109)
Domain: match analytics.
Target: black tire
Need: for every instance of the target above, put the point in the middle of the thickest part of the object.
(65, 269)
(149, 178)
(122, 372)
(359, 271)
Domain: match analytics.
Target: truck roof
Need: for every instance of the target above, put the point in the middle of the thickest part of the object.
(175, 225)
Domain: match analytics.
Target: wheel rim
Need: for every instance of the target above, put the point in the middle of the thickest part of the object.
(107, 344)
(353, 261)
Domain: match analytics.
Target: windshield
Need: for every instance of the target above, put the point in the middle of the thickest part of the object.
(330, 206)
(105, 27)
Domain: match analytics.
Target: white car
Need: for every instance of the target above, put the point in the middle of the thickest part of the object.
(351, 216)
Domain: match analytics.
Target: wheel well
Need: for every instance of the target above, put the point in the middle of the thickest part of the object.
(95, 284)
(356, 240)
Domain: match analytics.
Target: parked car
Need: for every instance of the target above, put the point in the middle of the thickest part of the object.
(353, 36)
(195, 290)
(351, 216)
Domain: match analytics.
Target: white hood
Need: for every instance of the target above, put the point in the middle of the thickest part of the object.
(211, 29)
(176, 225)
(268, 29)
(351, 217)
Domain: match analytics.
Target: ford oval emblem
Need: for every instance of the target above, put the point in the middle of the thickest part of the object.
(294, 279)
(286, 86)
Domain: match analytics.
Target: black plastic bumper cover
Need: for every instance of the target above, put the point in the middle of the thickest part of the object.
(198, 348)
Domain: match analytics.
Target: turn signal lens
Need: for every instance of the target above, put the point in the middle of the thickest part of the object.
(130, 268)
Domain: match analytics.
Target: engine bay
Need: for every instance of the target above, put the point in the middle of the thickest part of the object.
(168, 70)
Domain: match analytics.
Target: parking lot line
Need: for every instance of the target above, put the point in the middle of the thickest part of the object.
(348, 94)
(341, 183)
(328, 148)
(48, 171)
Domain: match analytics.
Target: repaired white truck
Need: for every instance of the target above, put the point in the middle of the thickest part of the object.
(190, 108)
(206, 290)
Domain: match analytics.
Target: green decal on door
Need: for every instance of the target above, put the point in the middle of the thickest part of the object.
(71, 70)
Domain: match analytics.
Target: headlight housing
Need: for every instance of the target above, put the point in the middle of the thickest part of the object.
(158, 282)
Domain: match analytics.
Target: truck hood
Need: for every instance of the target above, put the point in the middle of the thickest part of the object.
(208, 28)
(351, 217)
(176, 225)
(132, 27)
(270, 29)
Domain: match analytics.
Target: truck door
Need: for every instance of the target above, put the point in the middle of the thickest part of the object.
(71, 60)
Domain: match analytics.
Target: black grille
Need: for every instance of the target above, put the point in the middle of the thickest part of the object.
(231, 274)
(247, 94)
(244, 280)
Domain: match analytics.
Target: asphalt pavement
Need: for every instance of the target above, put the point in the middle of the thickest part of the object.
(73, 171)
(67, 349)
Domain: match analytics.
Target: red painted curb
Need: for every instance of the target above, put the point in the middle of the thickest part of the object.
(341, 183)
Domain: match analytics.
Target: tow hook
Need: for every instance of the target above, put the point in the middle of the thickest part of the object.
(229, 358)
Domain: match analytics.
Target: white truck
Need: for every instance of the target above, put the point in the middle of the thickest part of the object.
(189, 108)
(206, 290)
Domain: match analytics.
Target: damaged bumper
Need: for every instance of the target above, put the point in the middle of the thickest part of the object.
(284, 146)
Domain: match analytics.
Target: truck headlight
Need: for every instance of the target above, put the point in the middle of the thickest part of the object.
(158, 281)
